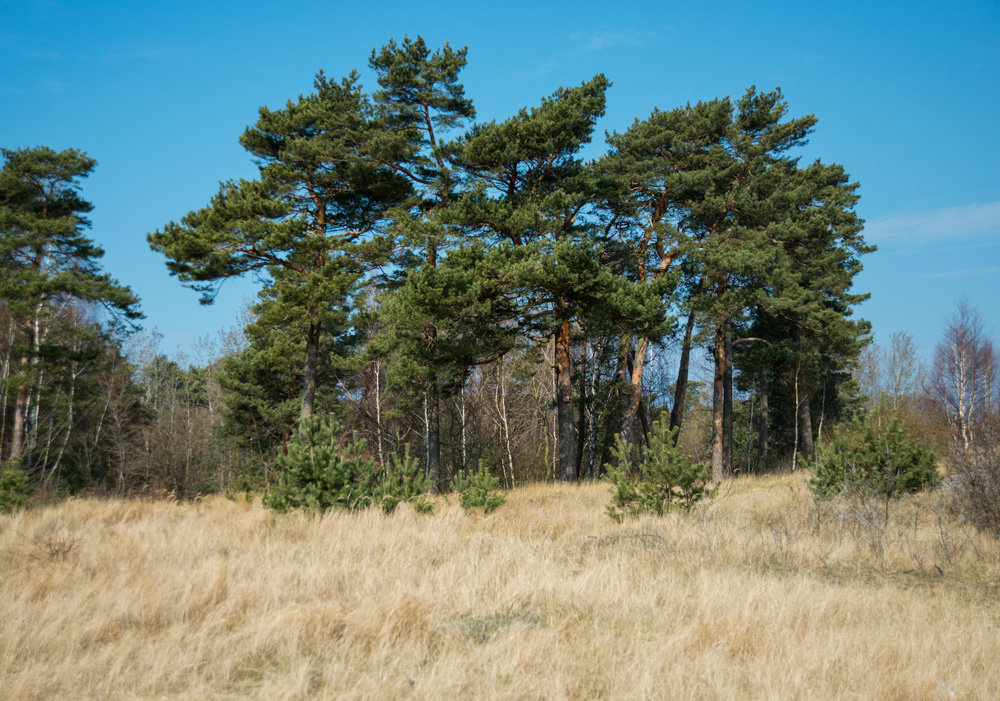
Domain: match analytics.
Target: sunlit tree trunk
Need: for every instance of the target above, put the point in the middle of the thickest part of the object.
(635, 391)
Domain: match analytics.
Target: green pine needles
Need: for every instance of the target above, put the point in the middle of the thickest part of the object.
(323, 470)
(14, 488)
(478, 490)
(663, 478)
(875, 456)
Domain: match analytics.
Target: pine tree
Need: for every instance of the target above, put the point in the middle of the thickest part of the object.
(311, 220)
(530, 194)
(809, 339)
(659, 167)
(420, 105)
(47, 266)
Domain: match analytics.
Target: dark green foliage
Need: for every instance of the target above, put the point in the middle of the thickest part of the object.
(312, 222)
(664, 477)
(14, 488)
(478, 490)
(403, 481)
(325, 470)
(44, 255)
(54, 301)
(875, 456)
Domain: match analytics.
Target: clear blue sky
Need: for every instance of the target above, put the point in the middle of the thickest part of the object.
(907, 95)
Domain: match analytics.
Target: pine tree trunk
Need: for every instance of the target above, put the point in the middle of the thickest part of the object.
(593, 425)
(727, 406)
(309, 369)
(765, 419)
(434, 437)
(566, 443)
(718, 392)
(635, 393)
(797, 423)
(611, 425)
(680, 388)
(805, 427)
(5, 382)
(581, 417)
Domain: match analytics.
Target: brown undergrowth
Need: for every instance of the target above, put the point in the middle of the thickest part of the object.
(759, 594)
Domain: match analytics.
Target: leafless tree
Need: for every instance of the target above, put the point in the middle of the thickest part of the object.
(963, 379)
(904, 371)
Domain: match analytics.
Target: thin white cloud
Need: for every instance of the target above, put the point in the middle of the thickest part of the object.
(969, 221)
(583, 43)
(55, 87)
(25, 47)
(588, 42)
(963, 273)
(147, 51)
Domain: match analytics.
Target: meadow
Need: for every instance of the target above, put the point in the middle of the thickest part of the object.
(760, 593)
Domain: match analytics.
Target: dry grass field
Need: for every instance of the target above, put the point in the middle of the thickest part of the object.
(758, 595)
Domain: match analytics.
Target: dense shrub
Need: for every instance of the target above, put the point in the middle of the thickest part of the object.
(478, 490)
(875, 456)
(664, 478)
(323, 470)
(14, 488)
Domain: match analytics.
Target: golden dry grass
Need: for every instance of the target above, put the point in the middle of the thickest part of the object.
(758, 595)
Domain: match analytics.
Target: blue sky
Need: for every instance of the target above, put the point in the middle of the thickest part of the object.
(907, 100)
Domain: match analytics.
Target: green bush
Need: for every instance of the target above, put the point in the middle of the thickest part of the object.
(478, 490)
(321, 471)
(14, 488)
(875, 456)
(663, 479)
(403, 481)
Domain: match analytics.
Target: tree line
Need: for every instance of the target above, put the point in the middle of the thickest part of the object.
(468, 291)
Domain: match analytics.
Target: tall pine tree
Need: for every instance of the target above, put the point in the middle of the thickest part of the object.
(311, 221)
(47, 266)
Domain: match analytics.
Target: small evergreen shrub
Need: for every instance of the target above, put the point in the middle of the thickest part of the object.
(404, 481)
(14, 488)
(663, 479)
(875, 456)
(478, 490)
(321, 471)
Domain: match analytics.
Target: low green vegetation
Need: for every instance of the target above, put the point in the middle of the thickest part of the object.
(663, 478)
(14, 488)
(323, 469)
(478, 490)
(876, 456)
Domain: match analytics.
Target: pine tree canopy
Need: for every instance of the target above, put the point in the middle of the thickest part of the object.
(44, 255)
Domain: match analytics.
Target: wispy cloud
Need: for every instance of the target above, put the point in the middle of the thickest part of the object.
(26, 47)
(55, 87)
(602, 40)
(584, 43)
(964, 273)
(969, 221)
(148, 51)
